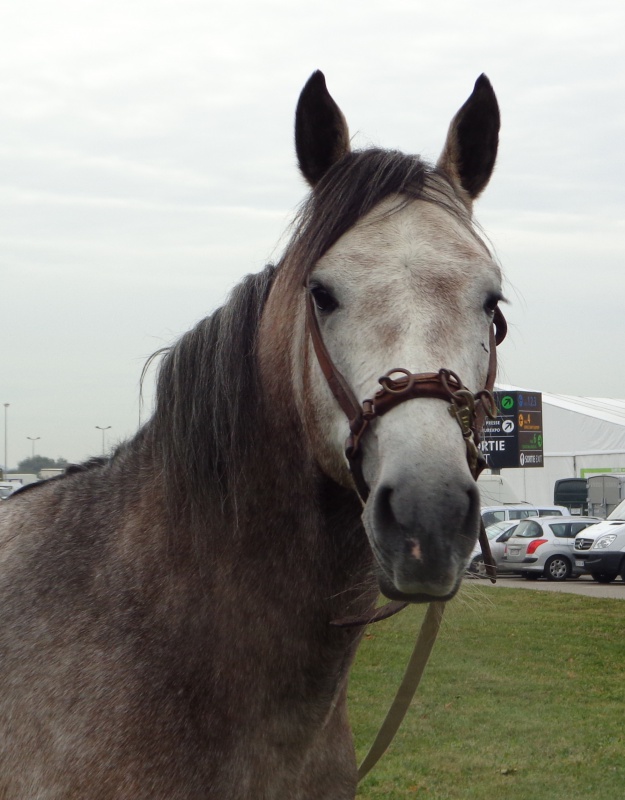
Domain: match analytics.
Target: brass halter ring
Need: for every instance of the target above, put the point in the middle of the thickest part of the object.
(397, 387)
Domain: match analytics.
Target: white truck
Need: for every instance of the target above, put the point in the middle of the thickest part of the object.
(600, 549)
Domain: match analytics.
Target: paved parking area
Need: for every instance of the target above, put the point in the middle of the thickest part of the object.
(584, 585)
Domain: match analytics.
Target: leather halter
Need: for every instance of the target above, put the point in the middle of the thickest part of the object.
(400, 385)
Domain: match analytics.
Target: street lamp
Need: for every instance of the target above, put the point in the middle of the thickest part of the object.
(6, 458)
(103, 429)
(33, 439)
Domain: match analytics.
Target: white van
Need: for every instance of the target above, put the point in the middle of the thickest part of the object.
(600, 549)
(491, 514)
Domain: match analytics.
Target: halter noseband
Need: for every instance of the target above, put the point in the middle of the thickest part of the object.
(399, 385)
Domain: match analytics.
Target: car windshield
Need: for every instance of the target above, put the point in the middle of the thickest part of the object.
(498, 527)
(492, 517)
(619, 512)
(522, 513)
(528, 529)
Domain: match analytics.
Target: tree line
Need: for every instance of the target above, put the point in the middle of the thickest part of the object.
(35, 464)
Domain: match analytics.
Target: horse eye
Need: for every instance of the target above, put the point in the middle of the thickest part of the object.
(323, 299)
(492, 301)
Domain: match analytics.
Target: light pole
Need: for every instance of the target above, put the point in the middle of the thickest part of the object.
(33, 439)
(103, 429)
(6, 458)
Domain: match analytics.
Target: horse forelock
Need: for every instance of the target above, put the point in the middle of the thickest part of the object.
(352, 188)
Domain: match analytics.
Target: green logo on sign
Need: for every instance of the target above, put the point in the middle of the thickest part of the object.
(507, 402)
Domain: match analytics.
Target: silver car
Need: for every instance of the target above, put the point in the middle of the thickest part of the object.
(498, 534)
(6, 489)
(544, 546)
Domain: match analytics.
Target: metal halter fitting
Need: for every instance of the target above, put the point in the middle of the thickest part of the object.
(399, 385)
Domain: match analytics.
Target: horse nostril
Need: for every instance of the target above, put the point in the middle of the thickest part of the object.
(384, 513)
(473, 511)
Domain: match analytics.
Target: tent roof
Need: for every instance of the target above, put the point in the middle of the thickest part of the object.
(603, 408)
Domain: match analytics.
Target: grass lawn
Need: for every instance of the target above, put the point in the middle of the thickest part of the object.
(523, 699)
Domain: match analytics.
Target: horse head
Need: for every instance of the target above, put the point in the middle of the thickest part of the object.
(392, 271)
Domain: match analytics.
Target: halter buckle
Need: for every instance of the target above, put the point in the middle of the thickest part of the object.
(464, 417)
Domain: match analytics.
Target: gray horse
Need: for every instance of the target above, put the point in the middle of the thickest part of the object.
(166, 613)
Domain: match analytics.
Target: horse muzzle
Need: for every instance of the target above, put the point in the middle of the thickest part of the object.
(422, 535)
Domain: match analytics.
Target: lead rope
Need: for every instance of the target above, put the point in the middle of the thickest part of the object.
(414, 668)
(407, 688)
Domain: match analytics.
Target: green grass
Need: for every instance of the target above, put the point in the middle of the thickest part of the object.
(523, 699)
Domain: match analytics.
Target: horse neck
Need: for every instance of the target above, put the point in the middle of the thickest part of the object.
(299, 529)
(259, 587)
(283, 520)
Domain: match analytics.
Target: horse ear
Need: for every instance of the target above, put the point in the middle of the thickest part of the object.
(469, 154)
(321, 133)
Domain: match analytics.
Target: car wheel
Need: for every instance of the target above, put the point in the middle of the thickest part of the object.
(557, 568)
(603, 577)
(531, 576)
(478, 567)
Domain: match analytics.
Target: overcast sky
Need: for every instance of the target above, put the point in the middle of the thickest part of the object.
(147, 164)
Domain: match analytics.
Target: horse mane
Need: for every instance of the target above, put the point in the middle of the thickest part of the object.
(96, 462)
(208, 412)
(208, 396)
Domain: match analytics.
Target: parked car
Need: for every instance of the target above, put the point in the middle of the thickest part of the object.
(498, 534)
(600, 550)
(491, 514)
(544, 546)
(6, 488)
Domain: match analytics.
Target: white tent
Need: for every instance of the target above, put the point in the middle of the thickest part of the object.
(582, 436)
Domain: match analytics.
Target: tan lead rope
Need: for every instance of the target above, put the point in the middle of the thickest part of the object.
(408, 687)
(414, 669)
